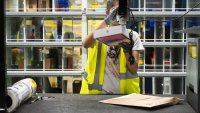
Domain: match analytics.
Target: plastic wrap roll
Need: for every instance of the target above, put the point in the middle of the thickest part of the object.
(20, 92)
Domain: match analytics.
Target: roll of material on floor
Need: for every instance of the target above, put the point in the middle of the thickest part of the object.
(20, 92)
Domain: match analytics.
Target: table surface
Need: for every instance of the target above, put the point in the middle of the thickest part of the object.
(75, 103)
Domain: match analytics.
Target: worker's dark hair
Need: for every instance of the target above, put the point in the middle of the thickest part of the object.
(110, 4)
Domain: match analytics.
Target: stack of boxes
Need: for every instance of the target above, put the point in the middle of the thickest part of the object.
(38, 5)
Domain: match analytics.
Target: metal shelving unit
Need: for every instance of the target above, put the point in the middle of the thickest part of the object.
(43, 14)
(161, 64)
(39, 44)
(44, 73)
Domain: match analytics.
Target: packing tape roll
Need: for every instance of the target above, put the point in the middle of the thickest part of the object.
(20, 92)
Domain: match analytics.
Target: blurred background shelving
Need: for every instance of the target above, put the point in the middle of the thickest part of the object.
(44, 41)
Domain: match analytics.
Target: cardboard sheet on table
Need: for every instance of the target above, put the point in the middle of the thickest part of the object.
(140, 100)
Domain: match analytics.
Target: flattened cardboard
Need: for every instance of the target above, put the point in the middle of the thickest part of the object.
(145, 101)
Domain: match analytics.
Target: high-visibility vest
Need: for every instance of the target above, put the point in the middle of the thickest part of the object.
(93, 77)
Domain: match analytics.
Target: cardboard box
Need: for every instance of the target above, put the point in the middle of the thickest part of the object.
(49, 63)
(69, 62)
(112, 36)
(68, 36)
(44, 5)
(12, 5)
(21, 64)
(31, 5)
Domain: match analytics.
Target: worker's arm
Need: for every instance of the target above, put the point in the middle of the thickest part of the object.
(132, 67)
(89, 40)
(135, 48)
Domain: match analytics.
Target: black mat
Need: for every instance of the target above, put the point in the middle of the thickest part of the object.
(75, 103)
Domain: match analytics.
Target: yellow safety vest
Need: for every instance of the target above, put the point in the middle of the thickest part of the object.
(93, 77)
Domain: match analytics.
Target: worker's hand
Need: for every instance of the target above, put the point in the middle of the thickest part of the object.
(126, 46)
(111, 17)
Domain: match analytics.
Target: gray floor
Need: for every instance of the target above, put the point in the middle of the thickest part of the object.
(75, 103)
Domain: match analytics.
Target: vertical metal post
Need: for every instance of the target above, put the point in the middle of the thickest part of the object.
(24, 38)
(139, 5)
(84, 34)
(84, 31)
(53, 5)
(163, 5)
(173, 5)
(2, 62)
(24, 4)
(182, 62)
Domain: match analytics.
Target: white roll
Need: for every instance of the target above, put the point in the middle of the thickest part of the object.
(20, 92)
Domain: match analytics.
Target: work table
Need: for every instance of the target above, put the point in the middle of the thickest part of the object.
(75, 103)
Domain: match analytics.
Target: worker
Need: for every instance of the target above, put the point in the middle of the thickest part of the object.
(17, 57)
(108, 70)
